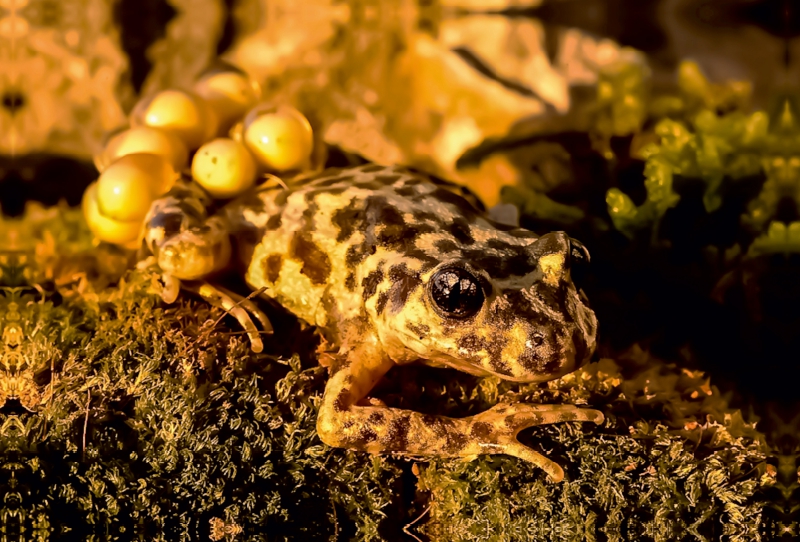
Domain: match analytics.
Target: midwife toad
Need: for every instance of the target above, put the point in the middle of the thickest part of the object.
(395, 268)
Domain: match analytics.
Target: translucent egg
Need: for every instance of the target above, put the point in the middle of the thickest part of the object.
(144, 139)
(127, 187)
(230, 91)
(185, 114)
(107, 229)
(279, 137)
(224, 167)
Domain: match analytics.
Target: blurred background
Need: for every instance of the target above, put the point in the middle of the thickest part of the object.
(419, 82)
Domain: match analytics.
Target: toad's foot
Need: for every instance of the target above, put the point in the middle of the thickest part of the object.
(241, 308)
(498, 427)
(345, 421)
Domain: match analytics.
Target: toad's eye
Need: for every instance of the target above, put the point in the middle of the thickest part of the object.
(456, 292)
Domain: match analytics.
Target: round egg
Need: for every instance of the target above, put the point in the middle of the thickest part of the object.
(144, 139)
(184, 114)
(230, 91)
(127, 187)
(107, 229)
(224, 167)
(279, 137)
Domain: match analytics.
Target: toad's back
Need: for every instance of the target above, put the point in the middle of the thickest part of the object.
(361, 243)
(323, 246)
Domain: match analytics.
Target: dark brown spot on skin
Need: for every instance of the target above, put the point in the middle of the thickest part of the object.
(372, 168)
(388, 179)
(568, 416)
(380, 304)
(350, 281)
(397, 437)
(445, 246)
(252, 201)
(376, 418)
(422, 216)
(333, 190)
(501, 266)
(481, 430)
(398, 237)
(455, 442)
(358, 253)
(213, 160)
(418, 329)
(406, 191)
(387, 214)
(272, 267)
(337, 364)
(461, 231)
(316, 264)
(345, 219)
(368, 435)
(501, 246)
(404, 282)
(394, 233)
(492, 346)
(463, 207)
(371, 184)
(371, 282)
(342, 401)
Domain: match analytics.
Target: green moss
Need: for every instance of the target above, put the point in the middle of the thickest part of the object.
(671, 462)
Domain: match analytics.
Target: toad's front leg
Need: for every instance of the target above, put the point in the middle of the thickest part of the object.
(343, 422)
(189, 245)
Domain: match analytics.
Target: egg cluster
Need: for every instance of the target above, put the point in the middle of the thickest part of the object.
(219, 133)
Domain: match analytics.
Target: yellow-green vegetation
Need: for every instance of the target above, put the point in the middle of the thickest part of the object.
(704, 132)
(158, 422)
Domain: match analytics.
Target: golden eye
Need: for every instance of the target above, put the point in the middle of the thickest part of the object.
(456, 292)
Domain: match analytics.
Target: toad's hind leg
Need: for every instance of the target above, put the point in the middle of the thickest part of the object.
(345, 422)
(190, 245)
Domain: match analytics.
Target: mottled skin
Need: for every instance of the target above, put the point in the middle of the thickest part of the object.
(354, 252)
